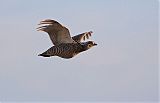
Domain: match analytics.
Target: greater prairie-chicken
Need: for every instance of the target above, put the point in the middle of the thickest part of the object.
(65, 46)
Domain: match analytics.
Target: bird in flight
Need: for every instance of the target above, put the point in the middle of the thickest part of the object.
(64, 45)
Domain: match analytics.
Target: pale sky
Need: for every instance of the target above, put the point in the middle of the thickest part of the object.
(122, 68)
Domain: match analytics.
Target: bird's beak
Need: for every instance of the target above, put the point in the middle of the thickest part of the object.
(94, 44)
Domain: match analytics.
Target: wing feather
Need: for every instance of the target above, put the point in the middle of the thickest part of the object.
(83, 36)
(57, 33)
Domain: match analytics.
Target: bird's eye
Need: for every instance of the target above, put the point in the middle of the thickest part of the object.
(89, 45)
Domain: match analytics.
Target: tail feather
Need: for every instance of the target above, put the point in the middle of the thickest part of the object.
(44, 55)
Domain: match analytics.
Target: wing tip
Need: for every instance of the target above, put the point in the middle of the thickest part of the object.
(47, 21)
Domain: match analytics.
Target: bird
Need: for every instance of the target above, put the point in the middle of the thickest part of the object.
(64, 45)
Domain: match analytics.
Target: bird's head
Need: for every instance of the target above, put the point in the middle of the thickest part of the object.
(87, 45)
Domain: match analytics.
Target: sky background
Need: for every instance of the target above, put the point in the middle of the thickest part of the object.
(122, 68)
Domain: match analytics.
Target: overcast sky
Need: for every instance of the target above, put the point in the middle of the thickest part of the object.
(123, 67)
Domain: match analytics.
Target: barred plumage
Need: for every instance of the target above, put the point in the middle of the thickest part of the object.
(65, 45)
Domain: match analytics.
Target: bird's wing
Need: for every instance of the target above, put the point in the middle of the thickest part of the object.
(57, 33)
(83, 36)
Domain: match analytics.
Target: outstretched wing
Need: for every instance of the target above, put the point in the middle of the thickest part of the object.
(57, 33)
(83, 36)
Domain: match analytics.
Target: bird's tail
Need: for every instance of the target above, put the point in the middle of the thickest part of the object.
(44, 55)
(50, 52)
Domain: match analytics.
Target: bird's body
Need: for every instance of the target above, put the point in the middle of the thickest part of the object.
(65, 46)
(64, 50)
